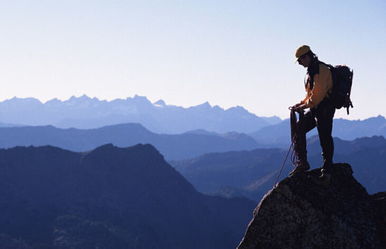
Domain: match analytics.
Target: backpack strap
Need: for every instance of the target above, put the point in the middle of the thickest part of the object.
(311, 71)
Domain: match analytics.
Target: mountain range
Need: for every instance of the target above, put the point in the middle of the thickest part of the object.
(111, 198)
(91, 194)
(253, 173)
(85, 113)
(278, 135)
(88, 113)
(173, 147)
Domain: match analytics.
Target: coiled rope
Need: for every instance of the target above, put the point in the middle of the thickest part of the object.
(293, 122)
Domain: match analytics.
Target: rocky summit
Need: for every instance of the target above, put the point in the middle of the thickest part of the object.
(305, 212)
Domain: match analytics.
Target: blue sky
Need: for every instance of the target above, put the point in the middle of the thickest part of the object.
(187, 52)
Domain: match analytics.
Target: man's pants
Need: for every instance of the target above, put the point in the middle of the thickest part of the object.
(322, 118)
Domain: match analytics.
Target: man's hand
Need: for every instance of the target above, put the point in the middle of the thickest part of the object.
(295, 106)
(298, 107)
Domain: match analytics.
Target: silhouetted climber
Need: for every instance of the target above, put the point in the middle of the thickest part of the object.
(318, 85)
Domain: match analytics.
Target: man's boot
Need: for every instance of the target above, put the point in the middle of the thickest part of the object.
(326, 170)
(302, 166)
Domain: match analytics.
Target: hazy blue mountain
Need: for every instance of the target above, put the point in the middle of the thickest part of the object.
(236, 173)
(9, 125)
(278, 135)
(85, 112)
(350, 130)
(111, 198)
(253, 173)
(173, 147)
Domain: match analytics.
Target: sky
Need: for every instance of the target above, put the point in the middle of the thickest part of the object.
(229, 53)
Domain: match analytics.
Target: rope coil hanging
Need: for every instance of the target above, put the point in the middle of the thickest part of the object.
(293, 123)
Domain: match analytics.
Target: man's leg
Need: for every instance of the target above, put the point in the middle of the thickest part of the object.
(304, 125)
(324, 123)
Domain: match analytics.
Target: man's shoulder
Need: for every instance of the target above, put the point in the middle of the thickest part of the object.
(324, 68)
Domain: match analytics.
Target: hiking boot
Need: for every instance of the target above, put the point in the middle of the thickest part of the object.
(325, 177)
(326, 169)
(325, 174)
(301, 167)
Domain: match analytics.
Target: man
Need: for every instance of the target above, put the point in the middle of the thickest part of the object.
(318, 85)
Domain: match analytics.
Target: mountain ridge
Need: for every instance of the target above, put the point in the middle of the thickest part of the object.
(86, 112)
(278, 135)
(178, 146)
(252, 173)
(110, 197)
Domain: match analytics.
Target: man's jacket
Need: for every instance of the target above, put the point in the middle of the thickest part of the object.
(318, 84)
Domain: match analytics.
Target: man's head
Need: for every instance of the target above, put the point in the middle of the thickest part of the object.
(304, 55)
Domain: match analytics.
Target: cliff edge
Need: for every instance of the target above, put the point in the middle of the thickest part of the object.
(304, 212)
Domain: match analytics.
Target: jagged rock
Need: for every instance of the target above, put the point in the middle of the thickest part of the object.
(304, 212)
(380, 205)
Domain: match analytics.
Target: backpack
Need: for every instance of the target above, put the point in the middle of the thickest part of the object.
(342, 77)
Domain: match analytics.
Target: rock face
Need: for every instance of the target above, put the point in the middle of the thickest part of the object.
(379, 200)
(304, 212)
